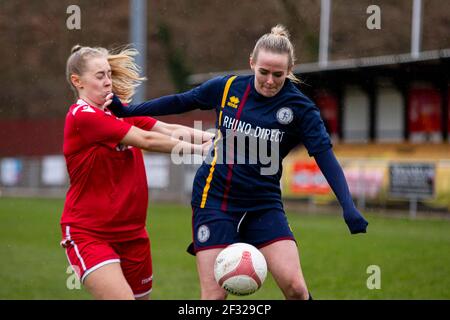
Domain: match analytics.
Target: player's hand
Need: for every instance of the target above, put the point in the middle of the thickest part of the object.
(206, 146)
(207, 136)
(108, 100)
(355, 221)
(115, 105)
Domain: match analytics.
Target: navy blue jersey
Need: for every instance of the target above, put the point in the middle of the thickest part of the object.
(255, 133)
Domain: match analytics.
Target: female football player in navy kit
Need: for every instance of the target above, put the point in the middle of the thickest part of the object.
(239, 199)
(104, 217)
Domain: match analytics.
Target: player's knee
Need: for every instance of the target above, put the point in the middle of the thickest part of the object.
(113, 295)
(296, 290)
(116, 291)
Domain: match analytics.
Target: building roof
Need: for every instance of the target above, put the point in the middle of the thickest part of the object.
(344, 64)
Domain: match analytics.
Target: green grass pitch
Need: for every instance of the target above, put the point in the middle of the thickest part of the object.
(413, 256)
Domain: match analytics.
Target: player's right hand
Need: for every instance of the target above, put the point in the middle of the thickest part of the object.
(207, 136)
(206, 146)
(115, 105)
(108, 100)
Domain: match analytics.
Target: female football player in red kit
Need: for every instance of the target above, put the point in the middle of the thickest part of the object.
(104, 217)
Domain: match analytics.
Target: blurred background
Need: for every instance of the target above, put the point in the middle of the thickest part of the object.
(383, 101)
(378, 71)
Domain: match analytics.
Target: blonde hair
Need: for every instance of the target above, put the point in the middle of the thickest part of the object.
(124, 70)
(277, 41)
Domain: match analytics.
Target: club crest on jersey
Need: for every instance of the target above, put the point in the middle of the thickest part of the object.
(285, 115)
(203, 233)
(122, 147)
(233, 102)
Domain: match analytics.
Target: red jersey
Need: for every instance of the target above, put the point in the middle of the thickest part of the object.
(108, 192)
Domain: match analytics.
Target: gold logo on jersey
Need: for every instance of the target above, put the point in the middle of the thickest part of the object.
(233, 102)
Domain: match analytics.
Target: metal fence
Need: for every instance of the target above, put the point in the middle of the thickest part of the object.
(369, 180)
(47, 177)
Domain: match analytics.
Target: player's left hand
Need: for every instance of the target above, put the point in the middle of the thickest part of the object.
(355, 221)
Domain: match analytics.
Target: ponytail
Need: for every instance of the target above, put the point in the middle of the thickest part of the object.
(124, 70)
(277, 41)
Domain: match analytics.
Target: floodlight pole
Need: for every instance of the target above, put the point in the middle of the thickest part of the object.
(138, 38)
(325, 13)
(416, 28)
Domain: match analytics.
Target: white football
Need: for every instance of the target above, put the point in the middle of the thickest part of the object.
(240, 269)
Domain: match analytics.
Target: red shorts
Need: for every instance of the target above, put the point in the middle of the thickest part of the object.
(86, 253)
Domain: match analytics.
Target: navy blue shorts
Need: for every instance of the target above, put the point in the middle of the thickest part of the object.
(213, 228)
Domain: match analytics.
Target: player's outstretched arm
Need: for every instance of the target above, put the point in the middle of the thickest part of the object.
(203, 97)
(332, 171)
(177, 131)
(172, 104)
(158, 142)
